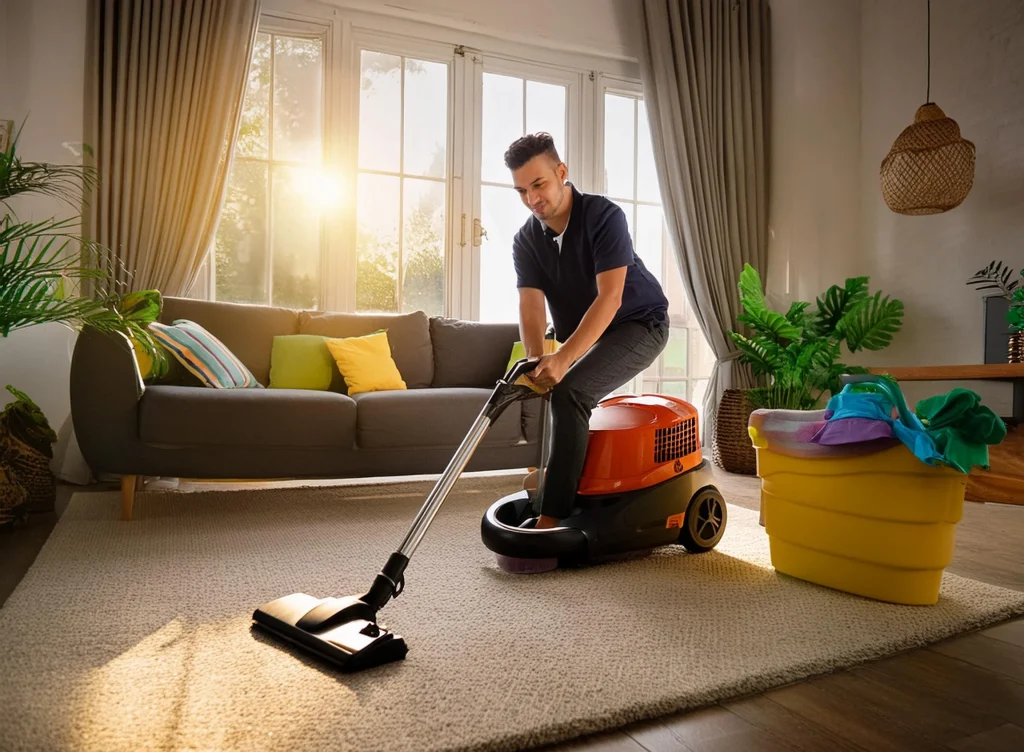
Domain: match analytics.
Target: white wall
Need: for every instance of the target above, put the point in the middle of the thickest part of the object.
(42, 64)
(814, 189)
(607, 28)
(977, 78)
(847, 79)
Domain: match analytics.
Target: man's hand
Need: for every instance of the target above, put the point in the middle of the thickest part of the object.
(550, 370)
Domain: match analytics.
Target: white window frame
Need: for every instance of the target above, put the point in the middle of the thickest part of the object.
(291, 21)
(573, 153)
(631, 88)
(363, 38)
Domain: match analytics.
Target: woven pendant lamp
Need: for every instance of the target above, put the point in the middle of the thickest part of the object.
(930, 167)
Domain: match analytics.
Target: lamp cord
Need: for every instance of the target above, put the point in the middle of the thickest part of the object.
(928, 95)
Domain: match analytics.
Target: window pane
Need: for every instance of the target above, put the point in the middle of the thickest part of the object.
(675, 354)
(296, 249)
(423, 251)
(377, 243)
(426, 118)
(254, 130)
(545, 111)
(502, 124)
(647, 188)
(380, 111)
(630, 387)
(240, 246)
(649, 238)
(674, 389)
(502, 214)
(649, 387)
(298, 95)
(618, 145)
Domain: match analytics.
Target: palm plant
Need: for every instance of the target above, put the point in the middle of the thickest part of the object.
(997, 276)
(799, 352)
(50, 274)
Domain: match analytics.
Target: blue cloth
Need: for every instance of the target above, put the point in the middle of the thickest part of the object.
(597, 239)
(874, 406)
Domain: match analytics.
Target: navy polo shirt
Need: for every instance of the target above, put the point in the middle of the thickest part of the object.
(595, 240)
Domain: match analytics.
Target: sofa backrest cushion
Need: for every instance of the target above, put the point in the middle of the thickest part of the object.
(247, 330)
(408, 336)
(470, 353)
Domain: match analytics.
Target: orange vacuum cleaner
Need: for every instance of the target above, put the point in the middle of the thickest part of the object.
(645, 484)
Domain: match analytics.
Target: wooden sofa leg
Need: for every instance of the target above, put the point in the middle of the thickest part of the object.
(127, 495)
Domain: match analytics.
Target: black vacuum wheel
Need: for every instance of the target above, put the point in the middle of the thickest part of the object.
(704, 523)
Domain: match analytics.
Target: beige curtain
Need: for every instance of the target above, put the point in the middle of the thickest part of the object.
(168, 78)
(706, 69)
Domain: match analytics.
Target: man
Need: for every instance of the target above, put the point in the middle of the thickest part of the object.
(608, 310)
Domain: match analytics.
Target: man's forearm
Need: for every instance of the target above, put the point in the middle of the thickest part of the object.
(531, 330)
(592, 326)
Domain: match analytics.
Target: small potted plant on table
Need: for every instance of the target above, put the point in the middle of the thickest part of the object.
(996, 276)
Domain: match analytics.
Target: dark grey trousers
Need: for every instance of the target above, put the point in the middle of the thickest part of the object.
(623, 351)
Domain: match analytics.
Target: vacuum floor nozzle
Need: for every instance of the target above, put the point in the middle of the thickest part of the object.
(343, 631)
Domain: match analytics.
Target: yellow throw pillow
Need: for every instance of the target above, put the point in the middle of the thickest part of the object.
(366, 363)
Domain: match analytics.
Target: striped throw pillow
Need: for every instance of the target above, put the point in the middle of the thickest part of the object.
(204, 355)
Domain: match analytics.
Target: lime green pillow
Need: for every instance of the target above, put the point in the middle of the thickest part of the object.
(301, 361)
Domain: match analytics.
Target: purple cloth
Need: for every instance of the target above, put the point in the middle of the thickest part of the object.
(852, 431)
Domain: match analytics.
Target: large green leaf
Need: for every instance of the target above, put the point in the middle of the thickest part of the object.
(762, 356)
(797, 313)
(770, 323)
(839, 301)
(751, 294)
(142, 307)
(871, 326)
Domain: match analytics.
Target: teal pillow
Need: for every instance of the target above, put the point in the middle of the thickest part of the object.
(302, 361)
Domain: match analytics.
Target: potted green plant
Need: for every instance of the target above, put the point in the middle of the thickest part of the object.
(50, 274)
(997, 276)
(798, 355)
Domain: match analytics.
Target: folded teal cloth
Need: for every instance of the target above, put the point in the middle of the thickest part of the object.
(879, 407)
(952, 429)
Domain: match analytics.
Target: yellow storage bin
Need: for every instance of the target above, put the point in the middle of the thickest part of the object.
(880, 525)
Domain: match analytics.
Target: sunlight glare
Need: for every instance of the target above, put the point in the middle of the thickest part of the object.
(323, 189)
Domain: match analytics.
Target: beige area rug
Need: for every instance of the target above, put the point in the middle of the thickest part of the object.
(136, 636)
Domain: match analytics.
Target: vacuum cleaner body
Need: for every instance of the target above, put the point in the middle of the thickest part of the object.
(645, 484)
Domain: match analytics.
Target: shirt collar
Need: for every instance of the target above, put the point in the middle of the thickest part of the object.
(551, 234)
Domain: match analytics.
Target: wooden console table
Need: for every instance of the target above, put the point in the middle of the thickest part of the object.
(1004, 481)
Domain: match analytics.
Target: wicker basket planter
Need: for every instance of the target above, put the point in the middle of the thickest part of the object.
(731, 447)
(26, 450)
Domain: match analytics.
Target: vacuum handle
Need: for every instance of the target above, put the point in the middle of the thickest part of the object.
(520, 368)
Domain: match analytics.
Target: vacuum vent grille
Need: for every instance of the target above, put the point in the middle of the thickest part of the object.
(676, 441)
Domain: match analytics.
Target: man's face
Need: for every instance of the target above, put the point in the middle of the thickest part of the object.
(541, 185)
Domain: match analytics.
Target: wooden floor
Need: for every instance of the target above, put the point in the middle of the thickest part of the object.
(966, 694)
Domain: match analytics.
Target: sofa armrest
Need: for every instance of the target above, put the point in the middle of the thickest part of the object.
(106, 386)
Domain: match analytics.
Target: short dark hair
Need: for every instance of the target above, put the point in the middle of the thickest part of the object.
(529, 146)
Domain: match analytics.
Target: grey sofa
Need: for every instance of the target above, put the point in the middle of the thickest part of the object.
(176, 427)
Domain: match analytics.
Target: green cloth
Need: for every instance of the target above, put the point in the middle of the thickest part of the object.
(961, 427)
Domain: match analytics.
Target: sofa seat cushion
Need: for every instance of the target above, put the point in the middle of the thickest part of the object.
(197, 416)
(429, 418)
(408, 336)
